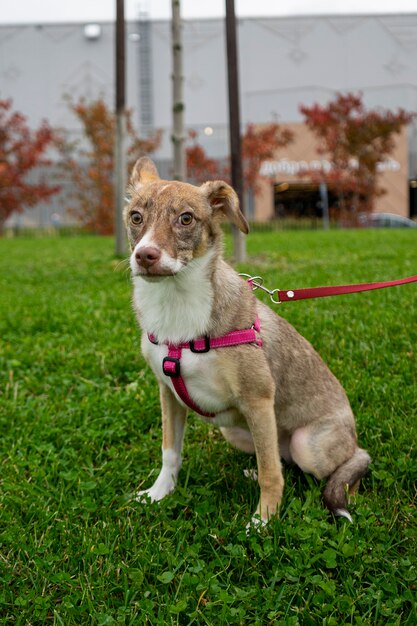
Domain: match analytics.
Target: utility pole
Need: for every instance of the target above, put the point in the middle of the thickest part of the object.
(239, 243)
(120, 140)
(178, 138)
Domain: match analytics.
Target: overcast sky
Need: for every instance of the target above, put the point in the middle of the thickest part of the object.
(29, 11)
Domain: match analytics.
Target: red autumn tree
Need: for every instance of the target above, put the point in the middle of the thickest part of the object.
(199, 166)
(259, 143)
(356, 141)
(21, 150)
(88, 164)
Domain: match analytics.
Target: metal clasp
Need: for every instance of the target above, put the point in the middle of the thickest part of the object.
(257, 283)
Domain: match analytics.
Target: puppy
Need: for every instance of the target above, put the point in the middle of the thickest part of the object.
(216, 349)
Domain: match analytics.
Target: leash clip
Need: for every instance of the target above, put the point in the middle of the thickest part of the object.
(256, 282)
(272, 296)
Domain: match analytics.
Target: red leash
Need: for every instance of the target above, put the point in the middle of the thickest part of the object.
(279, 295)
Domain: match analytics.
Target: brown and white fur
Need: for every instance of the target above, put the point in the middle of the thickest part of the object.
(280, 400)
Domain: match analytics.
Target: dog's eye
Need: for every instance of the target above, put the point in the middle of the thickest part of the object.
(136, 218)
(185, 219)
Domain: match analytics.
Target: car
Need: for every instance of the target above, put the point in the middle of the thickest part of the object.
(385, 220)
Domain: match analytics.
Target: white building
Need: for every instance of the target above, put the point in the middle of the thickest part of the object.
(283, 62)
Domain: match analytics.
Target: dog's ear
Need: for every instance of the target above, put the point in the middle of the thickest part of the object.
(223, 199)
(144, 171)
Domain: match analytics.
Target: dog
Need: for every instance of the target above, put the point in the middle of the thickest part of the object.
(215, 348)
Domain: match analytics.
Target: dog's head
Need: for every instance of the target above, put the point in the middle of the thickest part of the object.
(170, 223)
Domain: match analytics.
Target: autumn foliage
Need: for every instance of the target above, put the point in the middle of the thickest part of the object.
(355, 141)
(88, 164)
(199, 166)
(21, 150)
(259, 143)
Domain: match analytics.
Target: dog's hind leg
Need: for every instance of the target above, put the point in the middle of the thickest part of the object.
(329, 450)
(173, 427)
(239, 438)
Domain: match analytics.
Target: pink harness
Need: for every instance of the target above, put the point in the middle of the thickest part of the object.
(171, 364)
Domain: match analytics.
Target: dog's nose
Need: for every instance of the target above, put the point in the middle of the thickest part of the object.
(147, 256)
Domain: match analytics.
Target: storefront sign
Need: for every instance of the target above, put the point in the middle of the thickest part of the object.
(294, 168)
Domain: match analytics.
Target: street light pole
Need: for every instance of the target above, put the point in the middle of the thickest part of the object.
(120, 151)
(239, 243)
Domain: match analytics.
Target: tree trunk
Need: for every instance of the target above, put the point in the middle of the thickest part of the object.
(178, 138)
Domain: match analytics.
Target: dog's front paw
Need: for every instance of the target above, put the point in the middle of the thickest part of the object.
(256, 523)
(163, 486)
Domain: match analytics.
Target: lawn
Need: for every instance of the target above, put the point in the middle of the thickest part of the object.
(80, 431)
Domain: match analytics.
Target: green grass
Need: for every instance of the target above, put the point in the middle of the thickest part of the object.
(80, 431)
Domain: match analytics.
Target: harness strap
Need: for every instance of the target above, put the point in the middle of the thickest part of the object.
(171, 364)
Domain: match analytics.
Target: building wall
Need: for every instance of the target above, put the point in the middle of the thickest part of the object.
(41, 66)
(283, 62)
(288, 61)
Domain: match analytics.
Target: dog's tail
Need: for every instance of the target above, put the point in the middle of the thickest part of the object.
(344, 480)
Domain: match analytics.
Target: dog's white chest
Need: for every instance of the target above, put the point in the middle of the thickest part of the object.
(177, 308)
